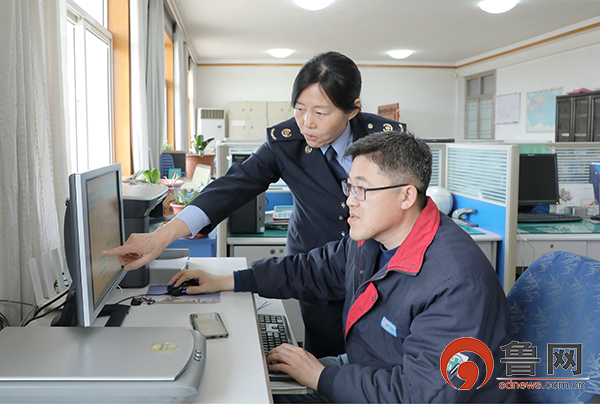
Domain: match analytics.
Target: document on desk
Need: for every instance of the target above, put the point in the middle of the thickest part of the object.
(158, 293)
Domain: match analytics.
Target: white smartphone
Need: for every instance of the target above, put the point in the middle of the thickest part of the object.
(210, 324)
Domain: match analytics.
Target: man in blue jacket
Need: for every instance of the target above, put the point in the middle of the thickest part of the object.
(412, 280)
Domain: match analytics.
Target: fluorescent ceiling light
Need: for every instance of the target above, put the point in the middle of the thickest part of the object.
(497, 6)
(280, 53)
(313, 5)
(400, 54)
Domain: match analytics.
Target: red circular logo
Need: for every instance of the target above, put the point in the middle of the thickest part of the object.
(467, 370)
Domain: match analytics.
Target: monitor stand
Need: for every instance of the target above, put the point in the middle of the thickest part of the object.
(68, 315)
(116, 313)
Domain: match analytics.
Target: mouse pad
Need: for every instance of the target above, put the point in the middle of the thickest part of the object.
(162, 297)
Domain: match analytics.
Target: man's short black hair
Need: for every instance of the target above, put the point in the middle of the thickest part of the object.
(400, 156)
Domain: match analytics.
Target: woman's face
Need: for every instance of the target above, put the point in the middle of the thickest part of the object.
(319, 120)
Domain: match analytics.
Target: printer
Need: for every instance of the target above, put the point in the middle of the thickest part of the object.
(141, 201)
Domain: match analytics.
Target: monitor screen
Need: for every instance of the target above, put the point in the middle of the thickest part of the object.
(538, 180)
(94, 222)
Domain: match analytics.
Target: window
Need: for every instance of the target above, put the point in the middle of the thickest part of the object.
(89, 69)
(479, 108)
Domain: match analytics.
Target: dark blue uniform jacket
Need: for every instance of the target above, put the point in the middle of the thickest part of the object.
(319, 213)
(438, 287)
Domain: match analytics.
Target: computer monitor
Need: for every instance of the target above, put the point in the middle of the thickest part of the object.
(94, 222)
(538, 180)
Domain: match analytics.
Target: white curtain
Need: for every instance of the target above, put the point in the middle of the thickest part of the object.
(180, 77)
(148, 95)
(33, 158)
(138, 17)
(155, 81)
(192, 96)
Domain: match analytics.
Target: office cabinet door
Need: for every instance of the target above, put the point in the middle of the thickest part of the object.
(595, 119)
(529, 251)
(581, 121)
(563, 119)
(257, 252)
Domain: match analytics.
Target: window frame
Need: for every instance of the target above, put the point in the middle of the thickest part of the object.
(84, 23)
(479, 99)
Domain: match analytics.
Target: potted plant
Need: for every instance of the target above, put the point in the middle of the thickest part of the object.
(182, 198)
(199, 155)
(149, 176)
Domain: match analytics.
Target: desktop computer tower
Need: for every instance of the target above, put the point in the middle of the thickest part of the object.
(250, 218)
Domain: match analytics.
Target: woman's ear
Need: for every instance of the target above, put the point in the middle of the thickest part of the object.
(356, 110)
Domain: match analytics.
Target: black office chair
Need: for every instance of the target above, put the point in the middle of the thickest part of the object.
(557, 301)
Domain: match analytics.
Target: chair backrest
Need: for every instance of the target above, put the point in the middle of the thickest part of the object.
(555, 307)
(166, 162)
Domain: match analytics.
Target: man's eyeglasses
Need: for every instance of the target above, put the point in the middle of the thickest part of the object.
(360, 193)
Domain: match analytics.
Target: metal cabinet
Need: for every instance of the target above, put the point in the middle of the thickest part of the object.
(578, 117)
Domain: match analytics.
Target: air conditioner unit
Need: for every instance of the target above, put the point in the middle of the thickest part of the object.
(211, 123)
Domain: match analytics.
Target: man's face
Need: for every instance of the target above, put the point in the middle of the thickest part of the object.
(380, 216)
(319, 120)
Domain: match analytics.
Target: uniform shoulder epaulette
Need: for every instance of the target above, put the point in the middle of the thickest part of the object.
(376, 123)
(286, 130)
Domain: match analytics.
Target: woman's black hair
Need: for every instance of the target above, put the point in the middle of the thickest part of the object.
(337, 74)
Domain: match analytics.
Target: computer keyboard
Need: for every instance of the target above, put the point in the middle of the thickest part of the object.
(274, 331)
(547, 217)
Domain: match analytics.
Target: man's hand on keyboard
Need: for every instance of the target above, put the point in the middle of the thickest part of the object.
(298, 363)
(207, 283)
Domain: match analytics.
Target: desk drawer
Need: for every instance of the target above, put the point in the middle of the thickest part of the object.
(529, 251)
(257, 252)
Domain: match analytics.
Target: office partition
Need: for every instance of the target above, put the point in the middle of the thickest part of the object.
(438, 154)
(485, 177)
(574, 160)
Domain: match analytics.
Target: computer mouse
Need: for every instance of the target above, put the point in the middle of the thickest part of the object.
(180, 290)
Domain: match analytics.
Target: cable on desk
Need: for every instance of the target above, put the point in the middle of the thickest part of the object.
(16, 302)
(149, 301)
(3, 320)
(36, 309)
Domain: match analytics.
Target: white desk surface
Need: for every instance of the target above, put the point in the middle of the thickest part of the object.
(235, 369)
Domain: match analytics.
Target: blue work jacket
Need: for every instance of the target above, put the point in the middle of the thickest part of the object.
(438, 287)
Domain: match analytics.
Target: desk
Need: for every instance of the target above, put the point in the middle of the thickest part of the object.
(535, 240)
(271, 243)
(254, 247)
(235, 367)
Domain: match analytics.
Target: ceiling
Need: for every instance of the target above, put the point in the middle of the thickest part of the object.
(440, 32)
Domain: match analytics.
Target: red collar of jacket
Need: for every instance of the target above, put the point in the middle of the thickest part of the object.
(409, 256)
(408, 259)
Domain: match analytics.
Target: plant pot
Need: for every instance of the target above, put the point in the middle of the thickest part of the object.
(191, 160)
(176, 207)
(173, 186)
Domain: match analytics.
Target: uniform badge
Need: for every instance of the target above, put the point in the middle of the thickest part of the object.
(388, 326)
(307, 149)
(273, 134)
(370, 125)
(286, 132)
(387, 127)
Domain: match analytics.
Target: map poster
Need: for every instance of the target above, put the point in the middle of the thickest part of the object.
(541, 110)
